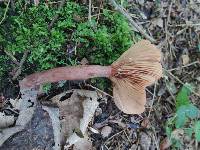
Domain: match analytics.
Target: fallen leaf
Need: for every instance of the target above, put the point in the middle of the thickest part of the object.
(158, 22)
(6, 121)
(77, 108)
(54, 115)
(93, 130)
(145, 141)
(185, 59)
(106, 131)
(84, 61)
(145, 122)
(26, 106)
(165, 144)
(83, 144)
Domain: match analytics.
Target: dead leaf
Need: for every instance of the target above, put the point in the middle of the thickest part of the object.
(158, 22)
(26, 106)
(6, 121)
(36, 2)
(165, 144)
(185, 59)
(83, 144)
(145, 141)
(93, 130)
(145, 122)
(84, 61)
(106, 131)
(77, 108)
(177, 134)
(54, 115)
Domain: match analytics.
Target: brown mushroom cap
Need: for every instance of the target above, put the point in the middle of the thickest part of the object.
(137, 68)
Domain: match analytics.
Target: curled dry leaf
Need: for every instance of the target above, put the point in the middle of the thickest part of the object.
(137, 68)
(77, 108)
(54, 115)
(6, 121)
(26, 105)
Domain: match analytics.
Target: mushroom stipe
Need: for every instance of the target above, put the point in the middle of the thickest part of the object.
(136, 69)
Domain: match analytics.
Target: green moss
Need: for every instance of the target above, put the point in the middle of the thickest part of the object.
(101, 41)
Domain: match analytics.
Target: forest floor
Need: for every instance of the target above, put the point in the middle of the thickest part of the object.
(174, 26)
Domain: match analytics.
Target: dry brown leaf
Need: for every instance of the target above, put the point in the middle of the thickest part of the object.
(145, 122)
(77, 108)
(165, 144)
(137, 68)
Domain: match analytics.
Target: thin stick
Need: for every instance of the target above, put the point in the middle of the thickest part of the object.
(4, 15)
(115, 135)
(177, 79)
(99, 90)
(133, 23)
(193, 63)
(153, 99)
(19, 70)
(89, 11)
(12, 57)
(57, 15)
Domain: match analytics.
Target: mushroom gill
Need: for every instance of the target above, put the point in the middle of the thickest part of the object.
(136, 69)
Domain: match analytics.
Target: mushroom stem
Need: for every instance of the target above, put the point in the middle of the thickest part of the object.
(65, 73)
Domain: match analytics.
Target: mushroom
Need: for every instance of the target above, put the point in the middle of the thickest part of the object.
(136, 68)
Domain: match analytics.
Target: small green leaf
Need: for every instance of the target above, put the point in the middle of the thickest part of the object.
(181, 117)
(183, 96)
(197, 130)
(184, 112)
(191, 111)
(168, 131)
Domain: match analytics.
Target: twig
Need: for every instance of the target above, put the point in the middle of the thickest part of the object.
(166, 29)
(133, 23)
(115, 135)
(99, 90)
(89, 11)
(19, 70)
(177, 79)
(57, 15)
(12, 57)
(4, 15)
(99, 11)
(193, 63)
(153, 99)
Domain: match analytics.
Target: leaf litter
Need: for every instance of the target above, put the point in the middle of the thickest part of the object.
(180, 18)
